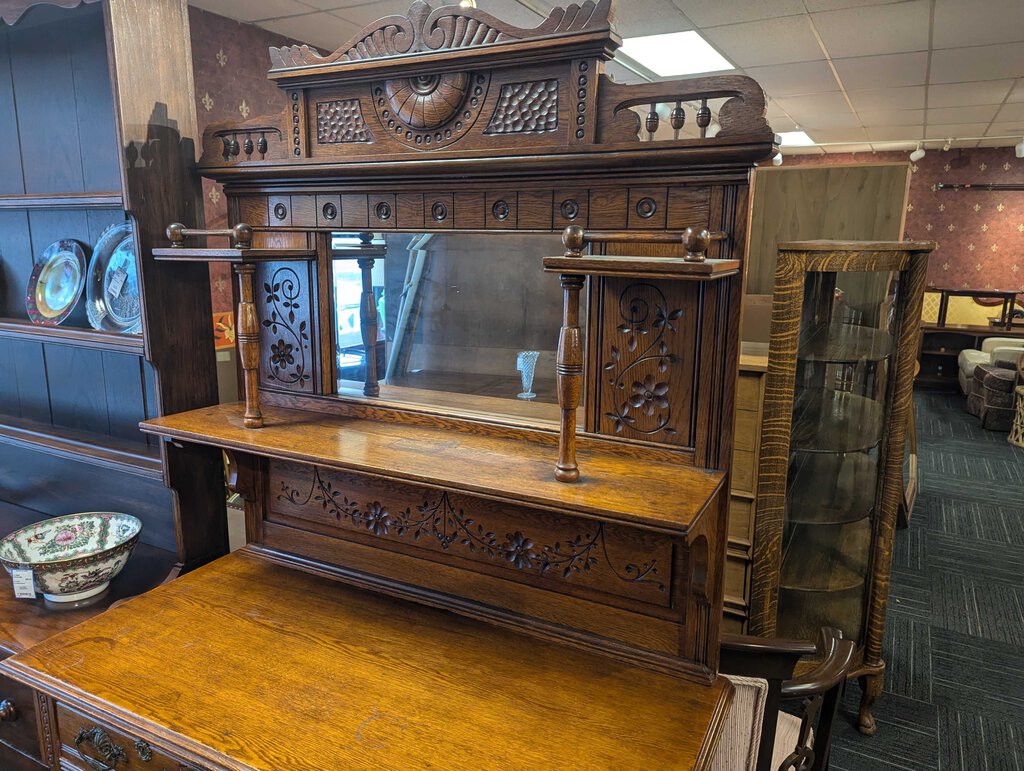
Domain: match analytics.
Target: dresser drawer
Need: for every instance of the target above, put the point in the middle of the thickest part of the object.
(107, 746)
(21, 730)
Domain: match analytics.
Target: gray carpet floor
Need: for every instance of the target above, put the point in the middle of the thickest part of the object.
(954, 644)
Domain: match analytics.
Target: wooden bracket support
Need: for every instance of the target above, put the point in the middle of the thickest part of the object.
(248, 336)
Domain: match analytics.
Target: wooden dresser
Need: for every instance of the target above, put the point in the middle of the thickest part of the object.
(485, 472)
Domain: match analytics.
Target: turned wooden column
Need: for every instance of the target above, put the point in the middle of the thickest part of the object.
(569, 368)
(248, 336)
(368, 326)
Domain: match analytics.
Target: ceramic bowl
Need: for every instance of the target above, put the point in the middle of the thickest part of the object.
(75, 556)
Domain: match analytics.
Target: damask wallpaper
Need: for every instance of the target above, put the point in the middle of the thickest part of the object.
(980, 234)
(230, 64)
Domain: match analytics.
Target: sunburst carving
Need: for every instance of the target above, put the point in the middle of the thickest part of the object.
(428, 101)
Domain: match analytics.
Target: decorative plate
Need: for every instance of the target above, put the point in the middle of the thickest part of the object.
(56, 283)
(112, 294)
(75, 556)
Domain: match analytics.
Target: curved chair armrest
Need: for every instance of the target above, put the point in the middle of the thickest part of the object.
(742, 643)
(762, 657)
(832, 669)
(990, 343)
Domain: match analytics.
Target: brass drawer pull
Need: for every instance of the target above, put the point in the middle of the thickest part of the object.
(100, 741)
(8, 711)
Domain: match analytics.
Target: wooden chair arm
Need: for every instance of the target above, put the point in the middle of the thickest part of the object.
(832, 669)
(741, 643)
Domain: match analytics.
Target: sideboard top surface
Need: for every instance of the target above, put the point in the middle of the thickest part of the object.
(359, 680)
(655, 494)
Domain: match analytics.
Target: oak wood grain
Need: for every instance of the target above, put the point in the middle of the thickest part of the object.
(365, 681)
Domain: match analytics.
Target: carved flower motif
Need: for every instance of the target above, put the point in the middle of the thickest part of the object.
(377, 519)
(281, 354)
(517, 550)
(663, 318)
(649, 395)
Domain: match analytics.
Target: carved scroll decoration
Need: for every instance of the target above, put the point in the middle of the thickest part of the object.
(341, 122)
(430, 111)
(642, 404)
(287, 361)
(525, 108)
(450, 526)
(447, 28)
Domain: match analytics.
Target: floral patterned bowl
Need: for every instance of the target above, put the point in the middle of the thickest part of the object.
(73, 557)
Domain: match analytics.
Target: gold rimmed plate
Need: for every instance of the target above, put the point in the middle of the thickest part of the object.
(56, 283)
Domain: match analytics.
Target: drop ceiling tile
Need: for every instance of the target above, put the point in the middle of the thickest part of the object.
(794, 79)
(846, 148)
(975, 114)
(957, 65)
(810, 150)
(1017, 95)
(960, 23)
(965, 94)
(772, 41)
(954, 130)
(797, 106)
(252, 10)
(713, 13)
(1013, 128)
(895, 133)
(633, 19)
(894, 70)
(1007, 143)
(1011, 112)
(878, 29)
(781, 124)
(891, 117)
(827, 121)
(836, 5)
(322, 30)
(830, 136)
(902, 98)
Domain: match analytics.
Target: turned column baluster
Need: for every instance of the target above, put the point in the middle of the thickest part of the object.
(248, 337)
(569, 368)
(368, 324)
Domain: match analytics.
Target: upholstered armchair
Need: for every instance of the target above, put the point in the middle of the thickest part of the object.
(998, 351)
(758, 734)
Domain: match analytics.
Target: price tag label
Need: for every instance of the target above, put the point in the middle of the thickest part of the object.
(117, 280)
(24, 585)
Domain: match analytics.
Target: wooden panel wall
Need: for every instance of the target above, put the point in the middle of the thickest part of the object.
(851, 203)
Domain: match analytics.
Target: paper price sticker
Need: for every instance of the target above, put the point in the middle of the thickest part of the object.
(24, 585)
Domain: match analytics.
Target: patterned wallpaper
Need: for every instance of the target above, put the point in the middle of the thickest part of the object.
(230, 63)
(980, 234)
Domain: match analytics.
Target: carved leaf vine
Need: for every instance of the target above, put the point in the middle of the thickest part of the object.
(451, 526)
(288, 353)
(642, 404)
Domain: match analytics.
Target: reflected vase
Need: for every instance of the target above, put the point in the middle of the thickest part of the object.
(526, 363)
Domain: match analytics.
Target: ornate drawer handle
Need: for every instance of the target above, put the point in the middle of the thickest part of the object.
(8, 711)
(100, 741)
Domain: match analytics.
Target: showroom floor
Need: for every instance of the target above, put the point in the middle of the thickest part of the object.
(954, 689)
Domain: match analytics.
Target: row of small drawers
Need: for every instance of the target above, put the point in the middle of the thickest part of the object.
(656, 208)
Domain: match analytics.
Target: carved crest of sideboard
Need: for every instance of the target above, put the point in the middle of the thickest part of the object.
(385, 227)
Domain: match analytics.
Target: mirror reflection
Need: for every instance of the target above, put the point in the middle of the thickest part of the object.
(464, 321)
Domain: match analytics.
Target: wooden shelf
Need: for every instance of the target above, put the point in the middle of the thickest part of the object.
(829, 489)
(110, 452)
(104, 200)
(826, 558)
(80, 338)
(943, 352)
(671, 498)
(643, 267)
(836, 421)
(847, 344)
(24, 623)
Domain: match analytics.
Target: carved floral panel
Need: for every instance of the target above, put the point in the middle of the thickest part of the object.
(517, 542)
(284, 308)
(646, 360)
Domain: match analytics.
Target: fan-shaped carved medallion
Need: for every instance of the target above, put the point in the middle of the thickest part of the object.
(430, 111)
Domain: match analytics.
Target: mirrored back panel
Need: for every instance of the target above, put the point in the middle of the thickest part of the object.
(464, 321)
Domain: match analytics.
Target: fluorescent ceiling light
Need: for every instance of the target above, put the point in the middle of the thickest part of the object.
(795, 139)
(676, 53)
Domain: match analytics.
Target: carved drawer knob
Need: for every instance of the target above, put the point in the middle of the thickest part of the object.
(8, 711)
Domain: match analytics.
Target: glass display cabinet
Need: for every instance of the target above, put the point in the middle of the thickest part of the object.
(838, 394)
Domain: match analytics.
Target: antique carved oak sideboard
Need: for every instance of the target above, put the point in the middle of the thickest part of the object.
(485, 470)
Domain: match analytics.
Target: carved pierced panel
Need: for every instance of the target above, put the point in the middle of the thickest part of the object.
(526, 108)
(285, 310)
(426, 112)
(647, 359)
(340, 122)
(515, 542)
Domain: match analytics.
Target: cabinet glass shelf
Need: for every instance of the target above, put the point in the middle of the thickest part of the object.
(831, 489)
(825, 420)
(847, 343)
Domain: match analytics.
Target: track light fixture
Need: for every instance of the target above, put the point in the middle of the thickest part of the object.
(1018, 149)
(945, 147)
(777, 160)
(918, 154)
